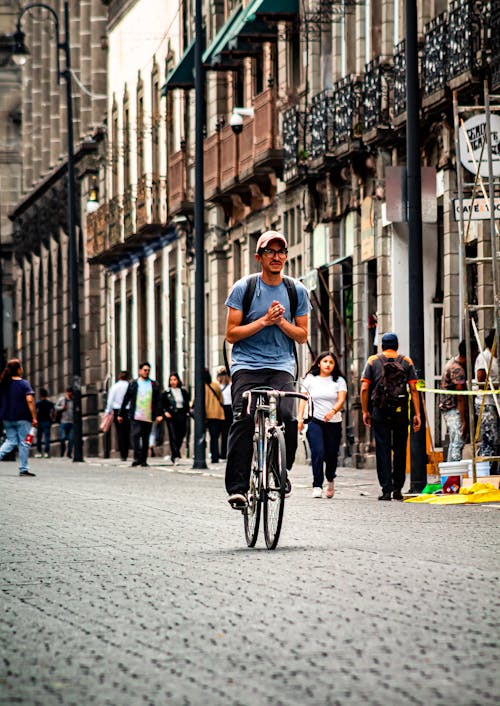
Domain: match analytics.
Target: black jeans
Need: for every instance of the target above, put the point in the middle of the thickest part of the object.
(240, 441)
(176, 425)
(391, 436)
(226, 426)
(122, 434)
(140, 440)
(214, 427)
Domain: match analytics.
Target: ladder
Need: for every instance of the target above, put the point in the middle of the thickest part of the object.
(475, 135)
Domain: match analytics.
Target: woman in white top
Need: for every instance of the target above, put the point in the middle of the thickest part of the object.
(113, 404)
(328, 391)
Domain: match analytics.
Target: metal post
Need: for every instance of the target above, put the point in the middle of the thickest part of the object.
(199, 247)
(418, 457)
(73, 255)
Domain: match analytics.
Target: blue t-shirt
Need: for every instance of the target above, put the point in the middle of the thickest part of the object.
(13, 405)
(269, 348)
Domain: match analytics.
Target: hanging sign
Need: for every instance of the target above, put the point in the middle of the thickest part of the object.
(472, 134)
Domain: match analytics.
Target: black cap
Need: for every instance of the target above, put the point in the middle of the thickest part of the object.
(390, 340)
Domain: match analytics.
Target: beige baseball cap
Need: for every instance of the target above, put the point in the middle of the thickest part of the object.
(267, 237)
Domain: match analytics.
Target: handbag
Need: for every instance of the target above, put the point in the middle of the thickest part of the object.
(106, 422)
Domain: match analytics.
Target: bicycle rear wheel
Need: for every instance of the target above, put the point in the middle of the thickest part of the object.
(274, 491)
(251, 513)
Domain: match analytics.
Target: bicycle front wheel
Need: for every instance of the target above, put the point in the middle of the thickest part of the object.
(274, 491)
(251, 513)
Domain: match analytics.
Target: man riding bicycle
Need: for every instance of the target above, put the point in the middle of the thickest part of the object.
(262, 355)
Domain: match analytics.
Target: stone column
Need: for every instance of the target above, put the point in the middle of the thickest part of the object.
(112, 327)
(123, 320)
(179, 309)
(135, 331)
(165, 312)
(150, 313)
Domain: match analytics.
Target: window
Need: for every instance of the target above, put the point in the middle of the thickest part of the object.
(126, 142)
(140, 128)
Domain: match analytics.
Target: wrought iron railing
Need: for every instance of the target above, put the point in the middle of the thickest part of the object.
(375, 96)
(346, 108)
(495, 45)
(434, 57)
(115, 221)
(321, 124)
(399, 103)
(291, 137)
(464, 37)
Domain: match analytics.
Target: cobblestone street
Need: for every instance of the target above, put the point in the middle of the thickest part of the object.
(128, 586)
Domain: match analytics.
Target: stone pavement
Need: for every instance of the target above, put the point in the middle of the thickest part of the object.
(128, 586)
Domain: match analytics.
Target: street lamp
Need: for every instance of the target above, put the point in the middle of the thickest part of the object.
(20, 55)
(199, 248)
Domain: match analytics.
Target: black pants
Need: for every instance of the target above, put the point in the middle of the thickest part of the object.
(226, 426)
(391, 436)
(240, 441)
(214, 427)
(122, 434)
(140, 440)
(176, 425)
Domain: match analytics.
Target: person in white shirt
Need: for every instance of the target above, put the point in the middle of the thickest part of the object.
(489, 432)
(328, 390)
(114, 402)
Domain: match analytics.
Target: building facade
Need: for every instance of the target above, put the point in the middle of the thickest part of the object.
(319, 156)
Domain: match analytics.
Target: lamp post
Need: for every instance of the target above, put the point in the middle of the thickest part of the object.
(418, 457)
(199, 249)
(20, 55)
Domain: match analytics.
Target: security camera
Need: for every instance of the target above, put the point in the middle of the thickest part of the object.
(236, 122)
(236, 119)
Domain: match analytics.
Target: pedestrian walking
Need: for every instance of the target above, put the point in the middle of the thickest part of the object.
(486, 366)
(175, 404)
(18, 414)
(384, 402)
(113, 405)
(142, 404)
(267, 315)
(65, 412)
(214, 414)
(45, 412)
(224, 381)
(453, 409)
(328, 390)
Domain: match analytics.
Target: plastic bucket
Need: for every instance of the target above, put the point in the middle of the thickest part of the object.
(482, 469)
(451, 473)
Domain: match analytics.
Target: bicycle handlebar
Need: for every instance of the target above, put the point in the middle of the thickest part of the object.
(275, 393)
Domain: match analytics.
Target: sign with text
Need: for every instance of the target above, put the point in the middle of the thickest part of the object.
(477, 210)
(472, 135)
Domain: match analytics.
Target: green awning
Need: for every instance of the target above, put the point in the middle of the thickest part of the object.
(213, 55)
(183, 74)
(273, 8)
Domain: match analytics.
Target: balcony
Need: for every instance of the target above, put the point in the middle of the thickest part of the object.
(128, 212)
(434, 62)
(228, 158)
(346, 118)
(291, 137)
(211, 151)
(158, 199)
(96, 231)
(141, 204)
(321, 125)
(400, 80)
(246, 149)
(177, 182)
(375, 98)
(464, 42)
(495, 45)
(266, 152)
(115, 221)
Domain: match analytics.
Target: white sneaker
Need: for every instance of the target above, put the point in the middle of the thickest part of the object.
(317, 492)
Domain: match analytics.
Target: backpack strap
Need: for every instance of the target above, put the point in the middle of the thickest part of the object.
(292, 295)
(249, 292)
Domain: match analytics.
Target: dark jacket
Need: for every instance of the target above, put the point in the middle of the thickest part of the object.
(131, 396)
(168, 402)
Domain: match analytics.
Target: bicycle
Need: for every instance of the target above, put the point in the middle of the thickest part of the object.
(268, 477)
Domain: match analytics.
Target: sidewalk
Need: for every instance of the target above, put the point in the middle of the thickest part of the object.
(350, 482)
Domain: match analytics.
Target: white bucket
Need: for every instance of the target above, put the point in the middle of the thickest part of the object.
(451, 473)
(482, 469)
